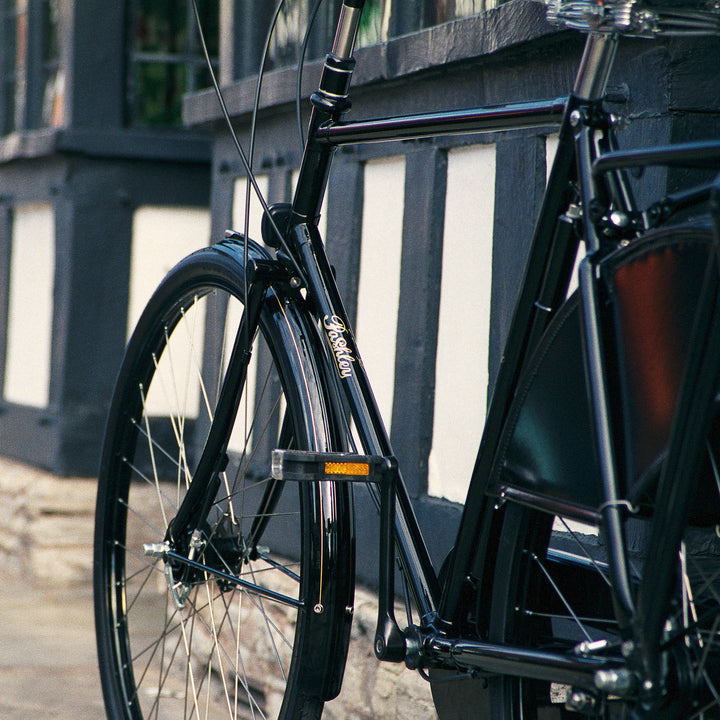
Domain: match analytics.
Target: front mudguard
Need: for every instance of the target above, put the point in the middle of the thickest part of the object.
(327, 621)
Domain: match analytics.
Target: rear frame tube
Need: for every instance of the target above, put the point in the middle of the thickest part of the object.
(326, 132)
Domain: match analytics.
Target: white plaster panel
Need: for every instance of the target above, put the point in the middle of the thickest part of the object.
(461, 379)
(256, 210)
(32, 280)
(551, 146)
(161, 237)
(379, 282)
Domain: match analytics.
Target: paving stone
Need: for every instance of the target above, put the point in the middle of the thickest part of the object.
(48, 665)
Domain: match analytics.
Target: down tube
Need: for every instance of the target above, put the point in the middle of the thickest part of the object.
(546, 269)
(371, 430)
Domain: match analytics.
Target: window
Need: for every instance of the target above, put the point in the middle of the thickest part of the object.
(7, 66)
(388, 18)
(291, 28)
(166, 58)
(52, 79)
(374, 25)
(31, 80)
(289, 32)
(381, 20)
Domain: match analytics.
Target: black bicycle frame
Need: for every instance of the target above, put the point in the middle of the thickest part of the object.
(545, 284)
(548, 271)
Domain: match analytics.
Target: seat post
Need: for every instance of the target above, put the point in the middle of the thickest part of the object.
(595, 66)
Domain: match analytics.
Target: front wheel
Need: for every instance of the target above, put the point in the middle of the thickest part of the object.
(248, 616)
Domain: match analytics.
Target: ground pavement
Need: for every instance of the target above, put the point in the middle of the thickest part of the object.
(48, 666)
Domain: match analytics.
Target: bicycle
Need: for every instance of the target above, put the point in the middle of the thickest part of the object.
(242, 419)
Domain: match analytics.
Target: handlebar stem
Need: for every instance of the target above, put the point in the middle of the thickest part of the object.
(347, 28)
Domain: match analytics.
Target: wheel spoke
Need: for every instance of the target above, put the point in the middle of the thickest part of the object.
(208, 626)
(562, 598)
(245, 585)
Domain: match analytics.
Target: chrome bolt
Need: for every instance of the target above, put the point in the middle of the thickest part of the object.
(580, 701)
(617, 682)
(157, 550)
(589, 647)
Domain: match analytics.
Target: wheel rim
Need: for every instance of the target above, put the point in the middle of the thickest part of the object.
(537, 605)
(207, 649)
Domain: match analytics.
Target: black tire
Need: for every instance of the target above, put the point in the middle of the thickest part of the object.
(550, 588)
(230, 651)
(531, 610)
(526, 609)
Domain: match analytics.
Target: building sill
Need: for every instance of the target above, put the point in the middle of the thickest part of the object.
(469, 39)
(172, 145)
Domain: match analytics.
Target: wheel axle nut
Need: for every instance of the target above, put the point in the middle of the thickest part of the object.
(580, 701)
(617, 682)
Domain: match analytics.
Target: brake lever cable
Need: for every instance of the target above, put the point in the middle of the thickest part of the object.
(236, 141)
(301, 66)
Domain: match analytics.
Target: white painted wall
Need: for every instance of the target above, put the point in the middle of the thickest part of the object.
(32, 281)
(241, 429)
(551, 146)
(461, 377)
(379, 282)
(256, 211)
(161, 237)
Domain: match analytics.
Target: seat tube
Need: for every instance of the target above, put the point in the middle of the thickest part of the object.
(590, 84)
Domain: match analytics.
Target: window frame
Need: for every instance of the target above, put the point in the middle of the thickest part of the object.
(22, 97)
(190, 57)
(8, 81)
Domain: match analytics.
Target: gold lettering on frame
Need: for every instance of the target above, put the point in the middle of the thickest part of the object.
(336, 330)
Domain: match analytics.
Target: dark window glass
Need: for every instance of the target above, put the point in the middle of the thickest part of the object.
(446, 10)
(290, 31)
(166, 59)
(52, 80)
(383, 19)
(374, 23)
(7, 66)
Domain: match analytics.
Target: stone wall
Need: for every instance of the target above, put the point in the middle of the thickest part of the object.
(46, 524)
(46, 530)
(374, 690)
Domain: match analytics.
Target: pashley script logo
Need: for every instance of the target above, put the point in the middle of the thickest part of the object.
(336, 330)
